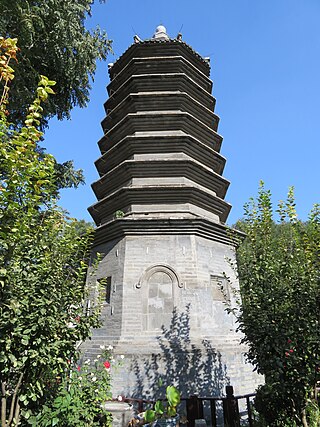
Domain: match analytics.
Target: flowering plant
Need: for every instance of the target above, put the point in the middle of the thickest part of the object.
(81, 395)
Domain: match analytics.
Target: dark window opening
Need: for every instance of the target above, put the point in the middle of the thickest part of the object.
(105, 289)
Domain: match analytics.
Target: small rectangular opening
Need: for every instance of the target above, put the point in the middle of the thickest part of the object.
(105, 289)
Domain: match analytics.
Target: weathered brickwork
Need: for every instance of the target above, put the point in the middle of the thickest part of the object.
(193, 260)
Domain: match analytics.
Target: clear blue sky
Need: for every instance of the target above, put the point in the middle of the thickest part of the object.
(265, 58)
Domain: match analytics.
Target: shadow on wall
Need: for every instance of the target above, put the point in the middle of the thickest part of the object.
(192, 369)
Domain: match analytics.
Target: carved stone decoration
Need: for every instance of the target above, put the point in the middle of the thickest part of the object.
(159, 268)
(159, 285)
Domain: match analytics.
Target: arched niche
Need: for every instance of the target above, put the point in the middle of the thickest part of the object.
(159, 286)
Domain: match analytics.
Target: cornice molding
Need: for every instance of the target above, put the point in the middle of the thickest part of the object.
(120, 228)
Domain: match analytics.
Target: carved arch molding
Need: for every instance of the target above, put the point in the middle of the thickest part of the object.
(159, 268)
(159, 285)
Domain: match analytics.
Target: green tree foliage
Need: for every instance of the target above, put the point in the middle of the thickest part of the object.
(54, 42)
(42, 264)
(279, 272)
(83, 227)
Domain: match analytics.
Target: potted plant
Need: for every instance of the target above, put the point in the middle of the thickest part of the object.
(164, 414)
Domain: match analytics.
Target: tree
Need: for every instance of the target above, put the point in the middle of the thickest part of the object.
(42, 264)
(83, 227)
(279, 272)
(54, 42)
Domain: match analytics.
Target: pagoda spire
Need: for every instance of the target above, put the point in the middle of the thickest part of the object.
(160, 33)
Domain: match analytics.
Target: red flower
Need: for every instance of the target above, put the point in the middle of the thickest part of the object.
(106, 364)
(289, 341)
(291, 350)
(287, 353)
(78, 368)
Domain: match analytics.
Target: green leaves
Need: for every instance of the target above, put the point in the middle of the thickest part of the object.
(54, 42)
(278, 266)
(173, 396)
(162, 410)
(149, 415)
(42, 276)
(159, 407)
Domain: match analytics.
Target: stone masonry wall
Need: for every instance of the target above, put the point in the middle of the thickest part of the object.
(188, 271)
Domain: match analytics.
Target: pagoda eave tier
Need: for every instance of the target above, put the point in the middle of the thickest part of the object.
(122, 227)
(160, 65)
(159, 101)
(162, 121)
(160, 143)
(160, 197)
(162, 83)
(160, 48)
(165, 168)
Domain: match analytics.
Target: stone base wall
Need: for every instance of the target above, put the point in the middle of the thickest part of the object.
(167, 316)
(195, 367)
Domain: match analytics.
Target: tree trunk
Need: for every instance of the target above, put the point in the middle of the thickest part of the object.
(304, 418)
(15, 407)
(3, 404)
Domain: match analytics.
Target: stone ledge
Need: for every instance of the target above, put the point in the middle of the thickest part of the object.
(153, 143)
(161, 65)
(160, 49)
(153, 121)
(159, 101)
(123, 198)
(160, 168)
(125, 227)
(160, 82)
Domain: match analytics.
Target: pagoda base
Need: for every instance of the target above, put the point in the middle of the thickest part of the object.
(170, 282)
(196, 367)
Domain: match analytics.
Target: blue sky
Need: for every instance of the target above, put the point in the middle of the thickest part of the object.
(265, 59)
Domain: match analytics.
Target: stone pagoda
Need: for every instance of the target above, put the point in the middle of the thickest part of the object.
(164, 247)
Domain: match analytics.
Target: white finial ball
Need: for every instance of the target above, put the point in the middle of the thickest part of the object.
(161, 33)
(161, 29)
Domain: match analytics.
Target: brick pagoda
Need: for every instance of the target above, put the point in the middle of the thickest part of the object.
(161, 232)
